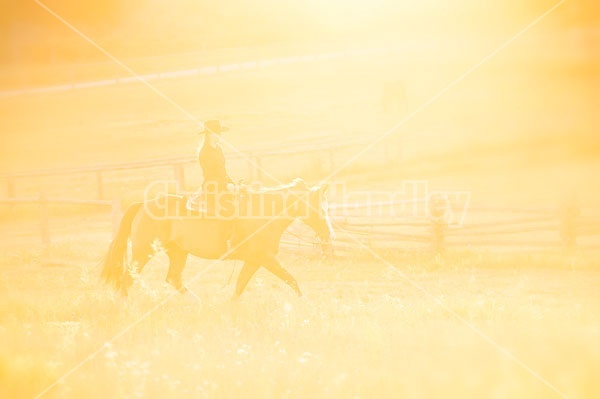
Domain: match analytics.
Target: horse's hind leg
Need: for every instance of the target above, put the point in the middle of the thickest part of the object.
(275, 267)
(177, 259)
(139, 259)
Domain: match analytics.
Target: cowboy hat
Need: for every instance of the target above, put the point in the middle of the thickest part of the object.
(213, 126)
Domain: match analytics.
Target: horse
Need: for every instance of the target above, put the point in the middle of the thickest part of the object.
(251, 233)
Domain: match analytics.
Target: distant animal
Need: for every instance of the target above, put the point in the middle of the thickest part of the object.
(255, 238)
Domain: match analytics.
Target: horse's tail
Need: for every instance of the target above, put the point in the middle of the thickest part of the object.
(112, 272)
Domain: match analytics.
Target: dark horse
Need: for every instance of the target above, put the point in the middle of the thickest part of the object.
(253, 225)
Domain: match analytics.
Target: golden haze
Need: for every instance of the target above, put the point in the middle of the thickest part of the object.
(519, 132)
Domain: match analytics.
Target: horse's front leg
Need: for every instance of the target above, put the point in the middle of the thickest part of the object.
(246, 274)
(177, 259)
(273, 265)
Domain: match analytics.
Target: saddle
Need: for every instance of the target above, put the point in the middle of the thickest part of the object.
(200, 202)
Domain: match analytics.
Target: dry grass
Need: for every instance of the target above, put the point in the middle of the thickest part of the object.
(360, 331)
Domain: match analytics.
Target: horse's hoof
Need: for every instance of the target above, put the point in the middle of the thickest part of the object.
(183, 290)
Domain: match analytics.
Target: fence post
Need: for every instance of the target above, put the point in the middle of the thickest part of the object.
(569, 213)
(10, 187)
(116, 215)
(319, 167)
(250, 168)
(10, 190)
(437, 211)
(331, 160)
(399, 151)
(179, 173)
(99, 184)
(45, 233)
(392, 152)
(258, 168)
(386, 156)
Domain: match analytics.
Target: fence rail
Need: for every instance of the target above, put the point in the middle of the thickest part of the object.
(543, 227)
(324, 145)
(44, 215)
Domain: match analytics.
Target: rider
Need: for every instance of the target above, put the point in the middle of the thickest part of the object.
(216, 180)
(212, 159)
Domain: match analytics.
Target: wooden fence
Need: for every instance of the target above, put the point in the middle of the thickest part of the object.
(567, 227)
(44, 215)
(525, 228)
(485, 226)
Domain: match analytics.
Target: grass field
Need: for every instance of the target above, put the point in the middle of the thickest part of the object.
(361, 330)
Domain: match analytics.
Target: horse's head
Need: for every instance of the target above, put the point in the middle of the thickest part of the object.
(314, 212)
